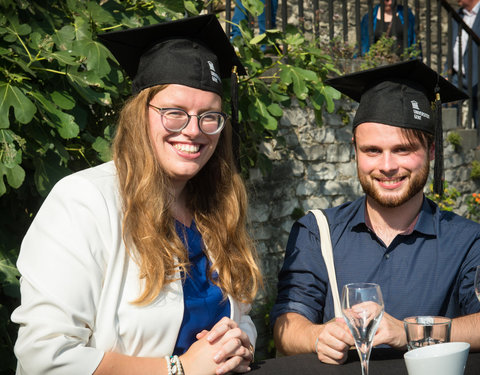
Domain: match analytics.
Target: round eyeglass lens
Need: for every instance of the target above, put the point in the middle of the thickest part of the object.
(174, 120)
(211, 123)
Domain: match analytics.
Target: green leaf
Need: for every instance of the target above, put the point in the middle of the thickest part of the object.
(98, 14)
(85, 78)
(330, 94)
(317, 100)
(306, 74)
(255, 7)
(15, 176)
(86, 93)
(82, 29)
(258, 39)
(268, 121)
(63, 99)
(318, 116)
(275, 110)
(299, 86)
(102, 146)
(286, 75)
(173, 5)
(11, 156)
(9, 275)
(191, 7)
(12, 96)
(16, 28)
(96, 54)
(63, 38)
(63, 58)
(63, 122)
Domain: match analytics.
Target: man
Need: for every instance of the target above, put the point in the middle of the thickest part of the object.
(423, 259)
(468, 11)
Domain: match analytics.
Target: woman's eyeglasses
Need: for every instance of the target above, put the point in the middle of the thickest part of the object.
(176, 119)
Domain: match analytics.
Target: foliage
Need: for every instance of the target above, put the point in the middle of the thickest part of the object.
(384, 52)
(343, 54)
(448, 199)
(475, 172)
(455, 140)
(61, 91)
(293, 67)
(473, 207)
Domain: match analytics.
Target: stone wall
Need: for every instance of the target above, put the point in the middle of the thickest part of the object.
(314, 168)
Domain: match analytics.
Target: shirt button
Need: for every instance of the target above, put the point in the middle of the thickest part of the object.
(387, 256)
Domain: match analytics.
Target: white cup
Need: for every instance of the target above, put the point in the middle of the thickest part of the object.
(448, 358)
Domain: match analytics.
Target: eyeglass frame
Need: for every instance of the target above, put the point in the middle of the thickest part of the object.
(189, 117)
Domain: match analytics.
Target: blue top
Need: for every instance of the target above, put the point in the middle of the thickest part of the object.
(204, 303)
(428, 272)
(365, 40)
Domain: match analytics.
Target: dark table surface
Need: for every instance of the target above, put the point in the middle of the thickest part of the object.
(382, 362)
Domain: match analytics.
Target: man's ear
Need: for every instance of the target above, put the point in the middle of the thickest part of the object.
(432, 151)
(354, 149)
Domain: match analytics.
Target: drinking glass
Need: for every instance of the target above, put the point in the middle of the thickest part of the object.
(362, 308)
(426, 330)
(477, 282)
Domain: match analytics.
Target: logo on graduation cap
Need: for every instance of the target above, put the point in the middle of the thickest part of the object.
(417, 113)
(215, 76)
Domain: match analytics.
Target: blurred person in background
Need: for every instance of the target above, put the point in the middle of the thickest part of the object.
(391, 26)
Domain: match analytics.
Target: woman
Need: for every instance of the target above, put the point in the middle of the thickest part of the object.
(143, 265)
(391, 26)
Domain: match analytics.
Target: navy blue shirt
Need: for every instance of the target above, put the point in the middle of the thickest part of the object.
(430, 271)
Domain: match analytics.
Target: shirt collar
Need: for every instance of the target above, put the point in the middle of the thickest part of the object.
(425, 222)
(474, 10)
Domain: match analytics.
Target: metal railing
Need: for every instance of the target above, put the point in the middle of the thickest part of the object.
(329, 19)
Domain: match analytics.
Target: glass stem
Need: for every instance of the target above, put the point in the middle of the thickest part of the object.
(364, 362)
(364, 354)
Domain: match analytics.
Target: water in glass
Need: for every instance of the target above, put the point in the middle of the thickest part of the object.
(362, 308)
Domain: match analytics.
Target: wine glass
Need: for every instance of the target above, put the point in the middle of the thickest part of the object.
(477, 282)
(362, 308)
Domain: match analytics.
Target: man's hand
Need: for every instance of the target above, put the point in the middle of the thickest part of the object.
(295, 334)
(391, 332)
(334, 341)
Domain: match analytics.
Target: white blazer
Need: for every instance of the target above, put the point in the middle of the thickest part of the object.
(78, 281)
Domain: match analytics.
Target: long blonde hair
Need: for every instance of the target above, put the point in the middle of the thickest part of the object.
(216, 197)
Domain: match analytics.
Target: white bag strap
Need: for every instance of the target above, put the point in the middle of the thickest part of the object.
(327, 252)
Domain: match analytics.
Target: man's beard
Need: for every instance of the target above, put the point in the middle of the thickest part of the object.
(390, 201)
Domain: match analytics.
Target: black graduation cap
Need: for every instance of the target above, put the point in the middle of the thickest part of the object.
(401, 95)
(193, 51)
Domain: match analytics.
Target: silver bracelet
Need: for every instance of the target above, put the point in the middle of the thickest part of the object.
(174, 366)
(316, 345)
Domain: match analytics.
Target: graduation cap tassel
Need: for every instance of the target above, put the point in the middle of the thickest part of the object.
(438, 164)
(234, 116)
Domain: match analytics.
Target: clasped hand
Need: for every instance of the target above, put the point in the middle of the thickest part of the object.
(222, 349)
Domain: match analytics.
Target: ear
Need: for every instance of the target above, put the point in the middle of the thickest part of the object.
(354, 148)
(432, 152)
